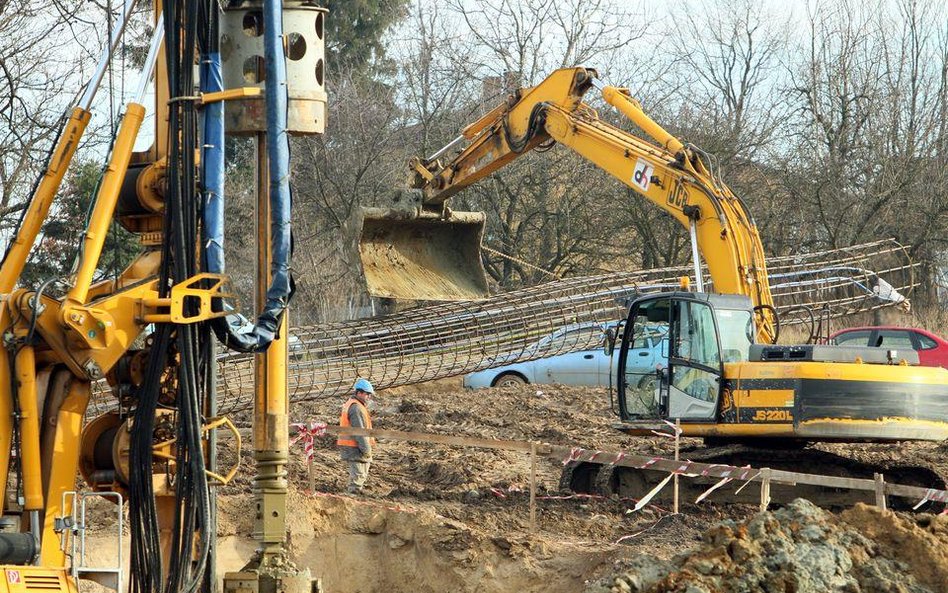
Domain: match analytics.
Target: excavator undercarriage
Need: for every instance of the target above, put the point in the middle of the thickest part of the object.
(603, 479)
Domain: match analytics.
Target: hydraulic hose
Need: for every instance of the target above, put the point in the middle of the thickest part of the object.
(280, 198)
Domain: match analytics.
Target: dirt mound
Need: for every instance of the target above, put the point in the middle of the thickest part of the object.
(919, 542)
(801, 549)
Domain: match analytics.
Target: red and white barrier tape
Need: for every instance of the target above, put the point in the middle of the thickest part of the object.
(306, 433)
(676, 431)
(708, 492)
(746, 482)
(652, 493)
(932, 495)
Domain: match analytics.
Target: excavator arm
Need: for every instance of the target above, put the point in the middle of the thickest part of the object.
(665, 171)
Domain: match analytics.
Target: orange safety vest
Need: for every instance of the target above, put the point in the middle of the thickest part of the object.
(344, 421)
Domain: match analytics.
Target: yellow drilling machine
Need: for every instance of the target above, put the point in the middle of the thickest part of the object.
(152, 331)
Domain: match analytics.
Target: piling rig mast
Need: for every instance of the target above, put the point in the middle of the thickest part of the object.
(151, 330)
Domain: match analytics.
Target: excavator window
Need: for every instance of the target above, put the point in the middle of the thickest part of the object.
(695, 335)
(643, 365)
(683, 379)
(694, 364)
(737, 333)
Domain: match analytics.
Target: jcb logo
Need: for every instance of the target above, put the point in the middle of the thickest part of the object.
(679, 197)
(727, 400)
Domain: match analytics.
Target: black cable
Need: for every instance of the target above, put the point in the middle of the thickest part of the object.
(535, 123)
(190, 25)
(187, 560)
(759, 310)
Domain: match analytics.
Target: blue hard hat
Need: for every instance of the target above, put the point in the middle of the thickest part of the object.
(363, 385)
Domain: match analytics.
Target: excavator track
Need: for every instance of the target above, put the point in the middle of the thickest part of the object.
(585, 477)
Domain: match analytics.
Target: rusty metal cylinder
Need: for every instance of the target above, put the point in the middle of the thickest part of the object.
(243, 66)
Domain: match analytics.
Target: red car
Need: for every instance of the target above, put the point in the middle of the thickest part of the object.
(932, 349)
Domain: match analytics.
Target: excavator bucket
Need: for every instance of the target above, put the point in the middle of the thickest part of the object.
(422, 257)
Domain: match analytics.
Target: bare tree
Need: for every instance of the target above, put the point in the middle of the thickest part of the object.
(830, 122)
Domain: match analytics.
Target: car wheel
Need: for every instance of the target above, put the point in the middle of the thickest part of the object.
(510, 380)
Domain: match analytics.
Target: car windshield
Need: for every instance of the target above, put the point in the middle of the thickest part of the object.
(737, 329)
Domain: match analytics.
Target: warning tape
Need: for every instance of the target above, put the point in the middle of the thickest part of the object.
(676, 431)
(933, 495)
(638, 533)
(308, 431)
(306, 434)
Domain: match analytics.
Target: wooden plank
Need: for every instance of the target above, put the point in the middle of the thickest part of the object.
(917, 492)
(880, 490)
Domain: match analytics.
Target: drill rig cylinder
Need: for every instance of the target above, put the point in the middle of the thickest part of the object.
(290, 69)
(242, 52)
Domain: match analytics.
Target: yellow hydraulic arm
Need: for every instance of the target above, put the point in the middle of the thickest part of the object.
(665, 171)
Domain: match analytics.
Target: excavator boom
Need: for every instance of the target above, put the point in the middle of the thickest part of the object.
(663, 170)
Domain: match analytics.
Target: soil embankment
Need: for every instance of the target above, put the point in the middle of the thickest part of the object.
(445, 518)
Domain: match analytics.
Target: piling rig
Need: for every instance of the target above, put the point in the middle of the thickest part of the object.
(151, 330)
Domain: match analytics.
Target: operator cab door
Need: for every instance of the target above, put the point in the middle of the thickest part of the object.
(694, 362)
(688, 384)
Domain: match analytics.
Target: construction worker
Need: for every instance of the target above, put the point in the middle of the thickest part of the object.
(357, 450)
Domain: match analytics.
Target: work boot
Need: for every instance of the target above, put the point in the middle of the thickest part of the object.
(356, 490)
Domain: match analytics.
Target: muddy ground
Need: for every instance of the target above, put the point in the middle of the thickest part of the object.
(440, 518)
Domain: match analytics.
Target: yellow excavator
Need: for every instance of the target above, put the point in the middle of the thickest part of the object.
(725, 379)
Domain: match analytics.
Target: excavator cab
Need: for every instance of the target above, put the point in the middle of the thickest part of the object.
(698, 334)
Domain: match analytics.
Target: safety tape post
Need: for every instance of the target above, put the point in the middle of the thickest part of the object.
(307, 433)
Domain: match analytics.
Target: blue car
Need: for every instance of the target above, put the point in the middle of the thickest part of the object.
(589, 367)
